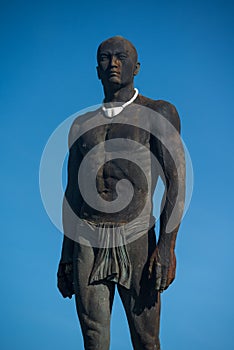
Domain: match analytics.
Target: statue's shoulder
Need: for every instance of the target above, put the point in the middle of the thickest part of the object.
(81, 119)
(77, 123)
(165, 108)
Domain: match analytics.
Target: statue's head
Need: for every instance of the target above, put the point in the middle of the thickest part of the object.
(117, 62)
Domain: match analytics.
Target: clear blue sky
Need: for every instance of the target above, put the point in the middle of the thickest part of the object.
(186, 50)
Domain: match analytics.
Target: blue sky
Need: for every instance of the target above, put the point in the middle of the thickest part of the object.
(48, 50)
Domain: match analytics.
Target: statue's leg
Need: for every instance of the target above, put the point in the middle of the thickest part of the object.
(141, 302)
(144, 326)
(93, 303)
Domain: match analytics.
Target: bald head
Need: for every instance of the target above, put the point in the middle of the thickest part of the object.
(115, 41)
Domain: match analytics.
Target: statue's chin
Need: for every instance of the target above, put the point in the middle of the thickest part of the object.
(114, 79)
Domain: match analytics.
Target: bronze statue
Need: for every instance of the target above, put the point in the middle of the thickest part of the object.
(139, 267)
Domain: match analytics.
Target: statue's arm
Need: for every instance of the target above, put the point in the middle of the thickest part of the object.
(170, 154)
(71, 205)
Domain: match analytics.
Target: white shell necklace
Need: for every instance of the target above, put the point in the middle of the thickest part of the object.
(113, 111)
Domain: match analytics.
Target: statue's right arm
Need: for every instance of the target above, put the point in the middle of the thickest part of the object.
(71, 206)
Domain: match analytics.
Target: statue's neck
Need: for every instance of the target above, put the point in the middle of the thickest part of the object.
(116, 94)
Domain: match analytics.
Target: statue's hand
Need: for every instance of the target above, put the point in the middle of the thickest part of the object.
(65, 279)
(162, 269)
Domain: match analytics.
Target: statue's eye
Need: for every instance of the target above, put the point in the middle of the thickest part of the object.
(103, 58)
(122, 56)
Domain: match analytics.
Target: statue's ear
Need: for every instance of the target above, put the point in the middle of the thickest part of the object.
(137, 68)
(98, 72)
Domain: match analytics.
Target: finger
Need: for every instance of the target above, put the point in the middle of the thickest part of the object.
(158, 273)
(62, 287)
(169, 281)
(65, 287)
(150, 270)
(70, 287)
(69, 295)
(65, 292)
(163, 280)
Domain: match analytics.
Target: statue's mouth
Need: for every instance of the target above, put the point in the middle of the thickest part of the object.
(113, 73)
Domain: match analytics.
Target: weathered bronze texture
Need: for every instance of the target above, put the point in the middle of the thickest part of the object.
(141, 269)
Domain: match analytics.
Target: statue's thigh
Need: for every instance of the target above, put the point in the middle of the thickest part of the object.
(143, 314)
(93, 302)
(141, 302)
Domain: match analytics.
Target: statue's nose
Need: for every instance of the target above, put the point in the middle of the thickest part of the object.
(114, 61)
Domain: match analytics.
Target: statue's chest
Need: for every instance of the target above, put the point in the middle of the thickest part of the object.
(111, 134)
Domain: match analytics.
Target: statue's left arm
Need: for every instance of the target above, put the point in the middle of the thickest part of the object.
(170, 153)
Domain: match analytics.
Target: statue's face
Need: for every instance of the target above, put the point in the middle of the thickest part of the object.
(117, 63)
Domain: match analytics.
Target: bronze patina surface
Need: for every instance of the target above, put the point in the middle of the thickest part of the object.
(142, 268)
